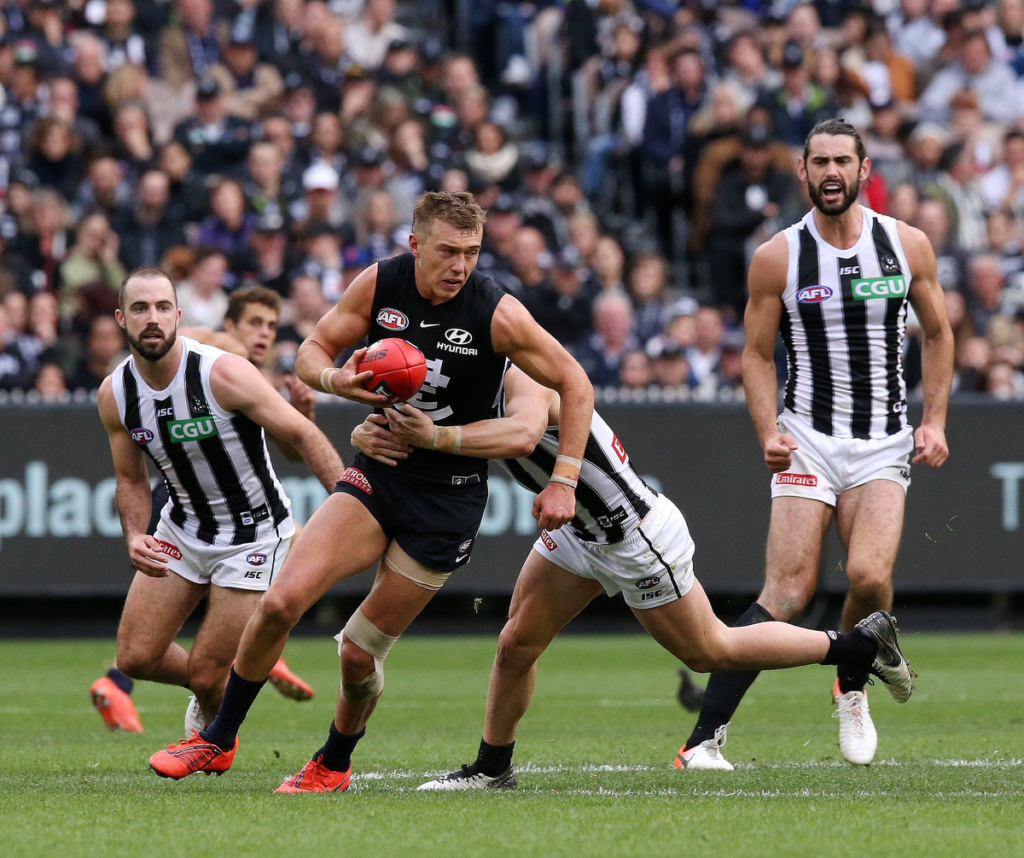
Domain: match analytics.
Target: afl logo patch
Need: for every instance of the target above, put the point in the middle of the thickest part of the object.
(141, 436)
(647, 583)
(393, 320)
(465, 546)
(256, 559)
(813, 294)
(458, 337)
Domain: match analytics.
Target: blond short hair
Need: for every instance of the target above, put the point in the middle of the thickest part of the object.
(458, 209)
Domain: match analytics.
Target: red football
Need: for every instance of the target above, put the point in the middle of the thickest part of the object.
(399, 368)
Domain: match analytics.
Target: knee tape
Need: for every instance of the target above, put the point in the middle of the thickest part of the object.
(376, 643)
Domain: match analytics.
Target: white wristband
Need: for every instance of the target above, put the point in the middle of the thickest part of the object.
(569, 460)
(565, 481)
(325, 379)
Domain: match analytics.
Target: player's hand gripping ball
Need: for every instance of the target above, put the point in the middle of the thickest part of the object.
(399, 368)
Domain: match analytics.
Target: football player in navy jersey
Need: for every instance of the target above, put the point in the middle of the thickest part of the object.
(420, 518)
(646, 556)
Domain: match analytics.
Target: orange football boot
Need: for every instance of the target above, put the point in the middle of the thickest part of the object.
(116, 707)
(191, 756)
(288, 683)
(315, 777)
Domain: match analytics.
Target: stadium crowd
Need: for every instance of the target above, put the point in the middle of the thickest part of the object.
(630, 155)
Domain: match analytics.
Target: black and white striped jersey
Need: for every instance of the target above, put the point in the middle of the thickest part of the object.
(843, 326)
(611, 498)
(222, 486)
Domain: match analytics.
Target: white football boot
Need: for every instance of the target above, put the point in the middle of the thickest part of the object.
(706, 755)
(857, 736)
(469, 778)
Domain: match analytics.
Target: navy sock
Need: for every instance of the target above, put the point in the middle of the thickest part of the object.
(336, 753)
(239, 696)
(121, 680)
(852, 653)
(726, 690)
(493, 760)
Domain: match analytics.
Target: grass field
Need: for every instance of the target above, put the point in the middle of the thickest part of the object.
(594, 757)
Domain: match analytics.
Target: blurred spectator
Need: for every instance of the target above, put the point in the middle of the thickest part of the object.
(14, 372)
(104, 348)
(104, 187)
(985, 293)
(63, 104)
(265, 260)
(882, 140)
(1004, 381)
(376, 227)
(50, 383)
(748, 203)
(55, 156)
(563, 306)
(670, 367)
(705, 352)
(995, 83)
(798, 103)
(608, 264)
(90, 71)
(202, 297)
(279, 36)
(324, 261)
(530, 263)
(189, 49)
(1003, 185)
(149, 227)
(933, 220)
(917, 35)
(648, 288)
(305, 307)
(229, 225)
(321, 203)
(189, 196)
(636, 371)
(268, 187)
(958, 187)
(729, 372)
(368, 38)
(601, 354)
(218, 143)
(91, 270)
(493, 158)
(250, 89)
(46, 238)
(123, 44)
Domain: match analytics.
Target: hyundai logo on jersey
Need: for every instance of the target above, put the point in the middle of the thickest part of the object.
(813, 294)
(458, 336)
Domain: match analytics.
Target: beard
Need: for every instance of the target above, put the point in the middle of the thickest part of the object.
(153, 350)
(840, 206)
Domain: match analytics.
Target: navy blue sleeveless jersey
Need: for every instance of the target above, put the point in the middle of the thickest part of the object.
(464, 373)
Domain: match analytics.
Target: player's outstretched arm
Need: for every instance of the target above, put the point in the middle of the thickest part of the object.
(344, 325)
(937, 347)
(767, 281)
(238, 386)
(133, 496)
(515, 333)
(528, 409)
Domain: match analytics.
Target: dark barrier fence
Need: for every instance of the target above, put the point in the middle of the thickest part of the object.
(60, 534)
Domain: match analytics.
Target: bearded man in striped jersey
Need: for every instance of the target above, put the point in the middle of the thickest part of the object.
(836, 286)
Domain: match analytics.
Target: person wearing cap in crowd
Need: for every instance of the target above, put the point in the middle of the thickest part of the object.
(400, 69)
(250, 89)
(266, 259)
(321, 203)
(188, 49)
(46, 30)
(750, 196)
(799, 103)
(564, 305)
(218, 143)
(503, 222)
(323, 259)
(669, 367)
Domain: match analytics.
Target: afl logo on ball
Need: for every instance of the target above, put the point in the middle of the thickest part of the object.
(813, 294)
(141, 436)
(393, 320)
(256, 559)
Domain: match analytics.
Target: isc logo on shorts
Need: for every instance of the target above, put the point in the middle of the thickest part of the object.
(355, 477)
(257, 558)
(796, 480)
(169, 550)
(549, 543)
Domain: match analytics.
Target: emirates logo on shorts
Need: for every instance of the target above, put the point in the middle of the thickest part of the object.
(796, 480)
(549, 543)
(169, 549)
(355, 477)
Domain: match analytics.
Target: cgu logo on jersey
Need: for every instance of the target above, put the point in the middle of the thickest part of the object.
(195, 429)
(141, 436)
(393, 320)
(813, 294)
(878, 287)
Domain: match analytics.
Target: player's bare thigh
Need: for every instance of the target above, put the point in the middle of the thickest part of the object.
(545, 599)
(686, 627)
(795, 536)
(154, 611)
(340, 540)
(870, 523)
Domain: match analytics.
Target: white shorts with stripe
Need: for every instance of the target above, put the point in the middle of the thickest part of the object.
(824, 467)
(251, 566)
(650, 567)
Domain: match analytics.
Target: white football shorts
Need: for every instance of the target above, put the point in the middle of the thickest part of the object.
(824, 467)
(652, 566)
(251, 566)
